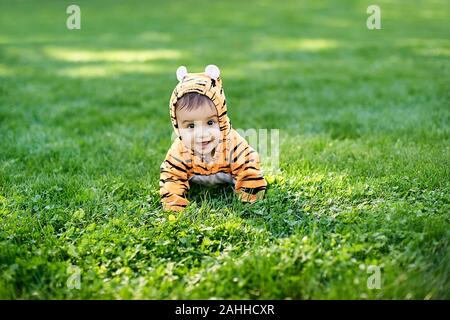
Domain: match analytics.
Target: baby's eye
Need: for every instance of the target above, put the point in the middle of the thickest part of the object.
(191, 125)
(210, 122)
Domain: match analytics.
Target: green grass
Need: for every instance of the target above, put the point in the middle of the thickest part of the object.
(364, 157)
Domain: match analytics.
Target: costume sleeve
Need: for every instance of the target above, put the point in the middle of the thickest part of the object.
(250, 184)
(173, 182)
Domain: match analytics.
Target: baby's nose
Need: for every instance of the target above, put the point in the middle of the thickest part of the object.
(202, 133)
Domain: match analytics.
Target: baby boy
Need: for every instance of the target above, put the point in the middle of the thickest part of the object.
(208, 150)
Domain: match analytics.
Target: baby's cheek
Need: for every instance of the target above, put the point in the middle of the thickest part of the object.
(186, 138)
(216, 139)
(217, 133)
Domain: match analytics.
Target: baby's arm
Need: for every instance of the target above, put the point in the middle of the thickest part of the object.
(245, 165)
(173, 183)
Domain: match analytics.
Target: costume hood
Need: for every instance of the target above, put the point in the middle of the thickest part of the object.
(207, 83)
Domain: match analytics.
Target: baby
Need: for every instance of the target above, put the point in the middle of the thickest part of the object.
(208, 150)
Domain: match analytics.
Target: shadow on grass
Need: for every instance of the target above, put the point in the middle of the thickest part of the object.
(281, 212)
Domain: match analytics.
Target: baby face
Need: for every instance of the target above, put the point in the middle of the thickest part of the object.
(199, 128)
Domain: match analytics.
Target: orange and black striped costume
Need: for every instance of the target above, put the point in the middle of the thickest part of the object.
(234, 160)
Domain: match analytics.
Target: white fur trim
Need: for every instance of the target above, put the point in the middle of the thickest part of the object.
(181, 72)
(212, 71)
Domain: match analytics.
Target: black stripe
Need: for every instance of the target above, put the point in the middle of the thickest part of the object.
(189, 80)
(235, 148)
(173, 179)
(196, 90)
(234, 160)
(249, 167)
(248, 161)
(253, 179)
(253, 190)
(251, 174)
(199, 166)
(178, 205)
(181, 162)
(176, 167)
(169, 172)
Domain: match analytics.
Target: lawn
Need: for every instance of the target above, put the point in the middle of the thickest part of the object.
(363, 178)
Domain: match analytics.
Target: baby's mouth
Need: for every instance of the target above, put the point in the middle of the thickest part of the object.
(204, 144)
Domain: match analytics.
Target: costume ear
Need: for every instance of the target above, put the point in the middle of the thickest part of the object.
(212, 71)
(181, 72)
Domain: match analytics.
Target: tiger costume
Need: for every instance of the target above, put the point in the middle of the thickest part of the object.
(234, 160)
